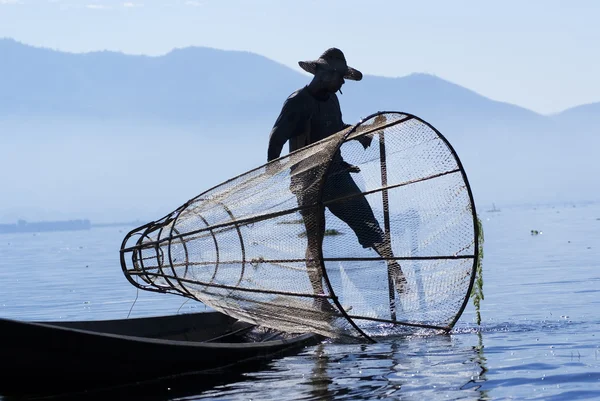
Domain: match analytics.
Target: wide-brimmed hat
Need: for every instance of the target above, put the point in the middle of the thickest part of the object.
(332, 58)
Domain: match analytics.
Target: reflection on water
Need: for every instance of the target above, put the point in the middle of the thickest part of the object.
(319, 382)
(415, 367)
(480, 360)
(538, 339)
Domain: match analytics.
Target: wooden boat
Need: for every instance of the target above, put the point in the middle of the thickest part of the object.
(51, 357)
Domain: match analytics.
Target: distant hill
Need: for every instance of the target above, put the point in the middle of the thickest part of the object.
(200, 84)
(143, 134)
(585, 117)
(584, 110)
(187, 85)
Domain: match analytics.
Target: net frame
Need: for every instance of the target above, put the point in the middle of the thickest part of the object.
(172, 282)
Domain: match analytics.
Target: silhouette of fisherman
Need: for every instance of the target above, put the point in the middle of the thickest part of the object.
(309, 115)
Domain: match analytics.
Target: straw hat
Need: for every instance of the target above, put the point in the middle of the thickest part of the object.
(334, 59)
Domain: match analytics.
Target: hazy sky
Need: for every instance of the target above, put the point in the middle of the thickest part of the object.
(540, 54)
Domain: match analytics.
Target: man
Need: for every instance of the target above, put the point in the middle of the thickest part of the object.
(309, 115)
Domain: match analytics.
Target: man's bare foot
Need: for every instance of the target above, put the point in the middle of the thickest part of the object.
(323, 305)
(400, 282)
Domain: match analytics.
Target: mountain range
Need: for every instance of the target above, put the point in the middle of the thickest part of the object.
(140, 135)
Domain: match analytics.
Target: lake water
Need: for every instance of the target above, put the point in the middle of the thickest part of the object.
(539, 338)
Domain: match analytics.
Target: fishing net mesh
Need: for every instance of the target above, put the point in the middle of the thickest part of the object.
(366, 233)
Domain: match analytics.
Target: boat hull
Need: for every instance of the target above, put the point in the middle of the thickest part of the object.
(71, 356)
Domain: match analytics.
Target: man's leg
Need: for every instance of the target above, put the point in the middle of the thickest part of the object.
(313, 265)
(384, 249)
(310, 217)
(313, 260)
(357, 213)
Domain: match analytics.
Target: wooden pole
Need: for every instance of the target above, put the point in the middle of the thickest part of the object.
(386, 220)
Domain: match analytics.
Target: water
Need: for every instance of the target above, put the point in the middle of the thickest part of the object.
(539, 337)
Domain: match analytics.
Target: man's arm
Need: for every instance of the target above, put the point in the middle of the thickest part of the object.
(365, 140)
(292, 121)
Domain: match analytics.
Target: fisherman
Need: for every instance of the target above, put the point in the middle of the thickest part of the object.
(309, 115)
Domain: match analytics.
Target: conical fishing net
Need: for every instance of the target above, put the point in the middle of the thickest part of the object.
(365, 233)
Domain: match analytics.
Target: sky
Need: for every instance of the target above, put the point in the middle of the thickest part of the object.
(538, 54)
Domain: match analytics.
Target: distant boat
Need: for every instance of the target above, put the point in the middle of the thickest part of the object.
(494, 209)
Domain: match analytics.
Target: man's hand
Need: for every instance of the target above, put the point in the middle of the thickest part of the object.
(351, 168)
(354, 169)
(366, 140)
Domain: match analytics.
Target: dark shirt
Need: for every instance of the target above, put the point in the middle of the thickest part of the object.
(304, 119)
